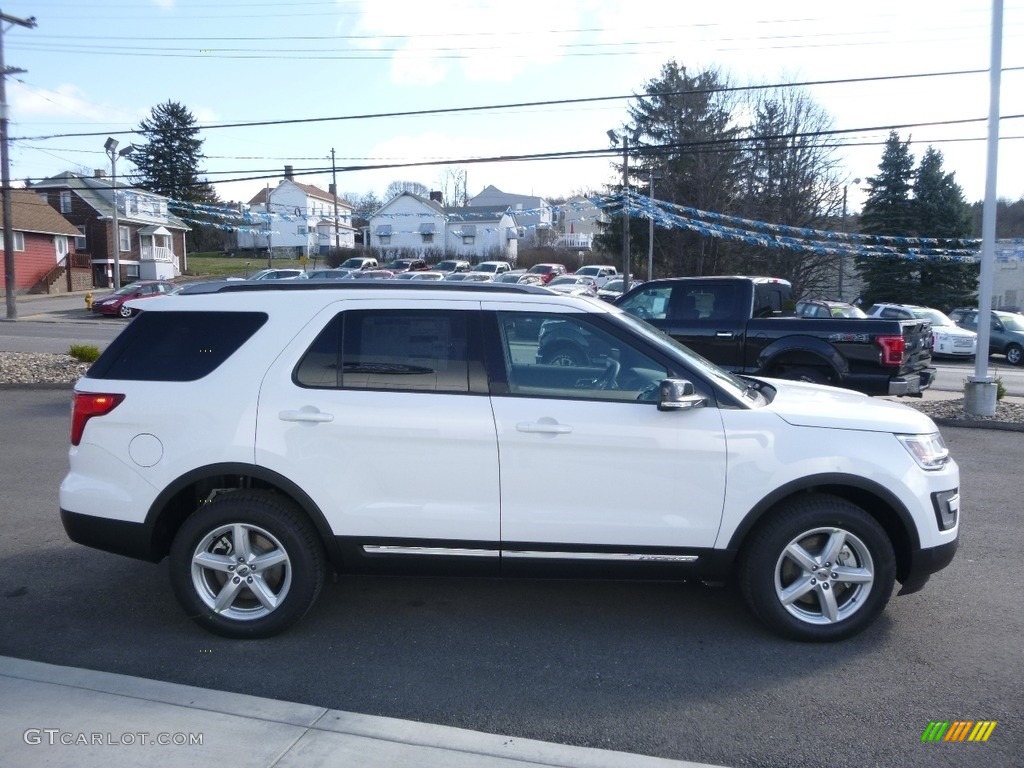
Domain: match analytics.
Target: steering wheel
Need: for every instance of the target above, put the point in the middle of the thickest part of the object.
(608, 379)
(643, 313)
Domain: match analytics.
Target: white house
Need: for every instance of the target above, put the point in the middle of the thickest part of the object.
(1008, 275)
(534, 215)
(410, 223)
(303, 219)
(578, 221)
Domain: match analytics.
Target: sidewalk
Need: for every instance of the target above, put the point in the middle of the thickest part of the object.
(76, 718)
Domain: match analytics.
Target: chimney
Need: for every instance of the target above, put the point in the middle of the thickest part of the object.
(289, 173)
(436, 197)
(99, 173)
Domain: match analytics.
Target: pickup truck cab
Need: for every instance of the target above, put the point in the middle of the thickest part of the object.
(747, 325)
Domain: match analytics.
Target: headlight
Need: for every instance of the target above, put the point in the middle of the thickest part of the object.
(929, 451)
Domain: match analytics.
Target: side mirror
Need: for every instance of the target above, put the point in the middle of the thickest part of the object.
(678, 395)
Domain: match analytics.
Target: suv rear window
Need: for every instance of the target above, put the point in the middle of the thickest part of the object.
(175, 346)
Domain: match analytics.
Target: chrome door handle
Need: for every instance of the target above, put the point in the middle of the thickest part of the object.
(306, 414)
(550, 429)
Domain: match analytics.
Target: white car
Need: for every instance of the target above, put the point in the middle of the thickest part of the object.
(948, 339)
(573, 285)
(601, 273)
(492, 268)
(201, 433)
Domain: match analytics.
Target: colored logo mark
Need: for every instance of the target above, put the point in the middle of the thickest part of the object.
(958, 730)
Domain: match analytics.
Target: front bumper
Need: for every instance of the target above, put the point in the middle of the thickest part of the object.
(925, 562)
(912, 384)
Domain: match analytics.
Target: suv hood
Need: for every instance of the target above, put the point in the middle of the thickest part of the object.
(812, 405)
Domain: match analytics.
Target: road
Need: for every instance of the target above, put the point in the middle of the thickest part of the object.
(680, 671)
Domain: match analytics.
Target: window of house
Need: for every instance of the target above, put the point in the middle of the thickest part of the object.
(81, 244)
(385, 239)
(132, 270)
(300, 230)
(468, 239)
(19, 241)
(411, 350)
(124, 239)
(65, 202)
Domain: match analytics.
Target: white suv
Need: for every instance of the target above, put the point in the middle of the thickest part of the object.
(251, 435)
(948, 338)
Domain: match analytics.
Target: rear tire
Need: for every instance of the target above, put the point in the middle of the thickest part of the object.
(809, 374)
(818, 569)
(247, 564)
(1014, 354)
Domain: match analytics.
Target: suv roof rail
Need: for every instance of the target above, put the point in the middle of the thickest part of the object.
(241, 286)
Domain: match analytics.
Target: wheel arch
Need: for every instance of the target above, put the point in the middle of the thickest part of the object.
(875, 499)
(792, 351)
(181, 498)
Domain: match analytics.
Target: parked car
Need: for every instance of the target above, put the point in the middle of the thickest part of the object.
(457, 277)
(612, 289)
(601, 273)
(359, 262)
(492, 267)
(510, 277)
(372, 274)
(823, 308)
(116, 303)
(276, 274)
(547, 272)
(815, 500)
(473, 277)
(573, 285)
(326, 274)
(451, 265)
(1005, 333)
(429, 275)
(405, 265)
(948, 339)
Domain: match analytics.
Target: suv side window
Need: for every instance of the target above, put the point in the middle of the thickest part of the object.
(572, 357)
(411, 350)
(175, 346)
(649, 303)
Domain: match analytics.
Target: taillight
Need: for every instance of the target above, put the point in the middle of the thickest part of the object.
(89, 404)
(893, 348)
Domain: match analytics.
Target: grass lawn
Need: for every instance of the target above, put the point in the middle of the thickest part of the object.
(217, 265)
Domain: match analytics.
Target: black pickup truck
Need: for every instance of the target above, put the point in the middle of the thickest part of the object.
(748, 325)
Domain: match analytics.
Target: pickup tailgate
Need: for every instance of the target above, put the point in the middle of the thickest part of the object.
(917, 339)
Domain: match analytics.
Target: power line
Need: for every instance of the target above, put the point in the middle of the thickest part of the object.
(520, 105)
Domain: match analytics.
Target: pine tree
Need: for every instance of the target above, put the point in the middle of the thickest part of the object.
(888, 210)
(941, 212)
(168, 163)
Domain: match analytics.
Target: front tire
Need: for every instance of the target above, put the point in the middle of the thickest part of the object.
(819, 569)
(125, 311)
(1014, 354)
(247, 564)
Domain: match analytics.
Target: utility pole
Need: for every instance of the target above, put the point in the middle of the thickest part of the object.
(270, 234)
(334, 194)
(5, 169)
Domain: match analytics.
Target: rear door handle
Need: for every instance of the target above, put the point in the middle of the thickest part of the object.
(307, 414)
(544, 428)
(725, 334)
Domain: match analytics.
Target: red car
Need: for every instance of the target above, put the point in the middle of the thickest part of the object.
(547, 271)
(115, 303)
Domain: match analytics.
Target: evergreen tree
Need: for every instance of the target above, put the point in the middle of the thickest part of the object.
(941, 212)
(888, 210)
(683, 128)
(168, 163)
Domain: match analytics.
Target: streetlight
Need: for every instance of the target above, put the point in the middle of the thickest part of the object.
(625, 210)
(655, 176)
(111, 146)
(842, 258)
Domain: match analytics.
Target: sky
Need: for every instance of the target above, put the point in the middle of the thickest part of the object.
(346, 67)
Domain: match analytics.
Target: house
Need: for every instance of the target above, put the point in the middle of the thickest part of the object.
(43, 246)
(578, 221)
(150, 239)
(410, 223)
(534, 215)
(1008, 275)
(303, 219)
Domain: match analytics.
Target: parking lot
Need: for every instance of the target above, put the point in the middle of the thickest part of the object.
(679, 671)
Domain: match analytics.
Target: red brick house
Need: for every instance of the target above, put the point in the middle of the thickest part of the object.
(43, 246)
(151, 240)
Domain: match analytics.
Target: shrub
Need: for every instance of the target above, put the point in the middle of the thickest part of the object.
(87, 353)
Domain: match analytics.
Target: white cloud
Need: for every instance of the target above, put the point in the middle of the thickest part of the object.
(65, 101)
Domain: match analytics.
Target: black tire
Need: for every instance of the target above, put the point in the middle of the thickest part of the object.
(809, 374)
(811, 600)
(565, 354)
(1015, 354)
(209, 553)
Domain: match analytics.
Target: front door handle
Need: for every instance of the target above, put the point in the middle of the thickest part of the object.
(544, 428)
(307, 414)
(724, 334)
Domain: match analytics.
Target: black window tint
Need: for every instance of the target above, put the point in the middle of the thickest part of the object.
(175, 346)
(384, 349)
